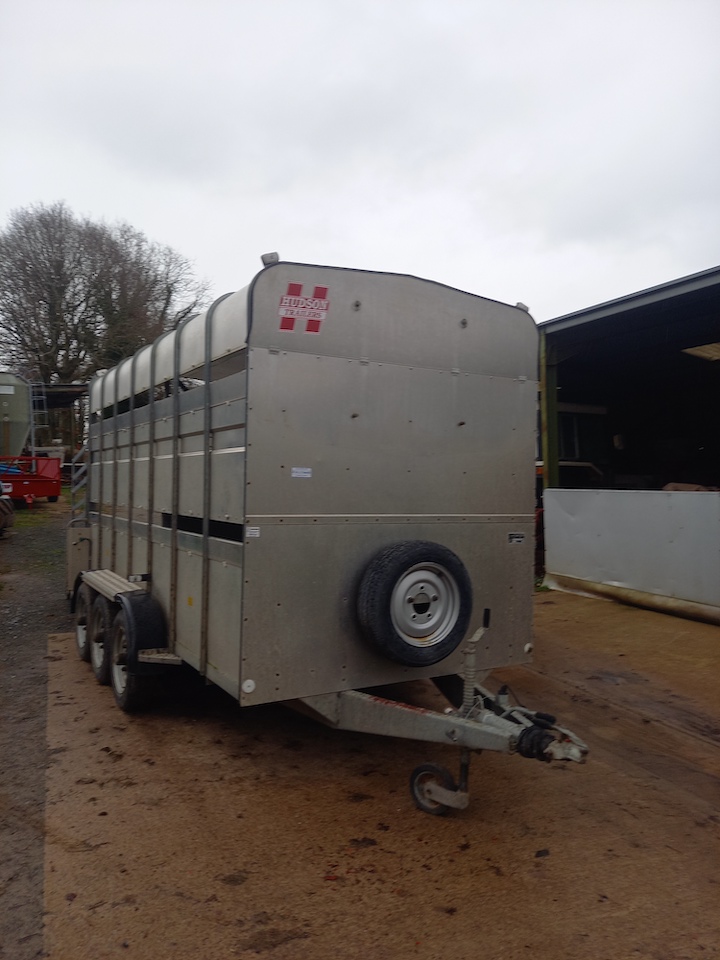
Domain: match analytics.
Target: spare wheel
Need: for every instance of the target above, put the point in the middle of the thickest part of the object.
(414, 602)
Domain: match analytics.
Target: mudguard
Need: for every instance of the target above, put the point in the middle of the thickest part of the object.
(146, 629)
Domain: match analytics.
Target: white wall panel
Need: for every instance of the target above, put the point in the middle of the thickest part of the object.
(658, 542)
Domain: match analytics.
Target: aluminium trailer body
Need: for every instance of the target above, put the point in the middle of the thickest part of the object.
(321, 484)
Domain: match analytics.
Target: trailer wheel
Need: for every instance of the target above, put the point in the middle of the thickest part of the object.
(100, 623)
(131, 691)
(83, 605)
(414, 602)
(423, 775)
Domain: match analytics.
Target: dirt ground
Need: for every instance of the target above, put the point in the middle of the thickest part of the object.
(202, 831)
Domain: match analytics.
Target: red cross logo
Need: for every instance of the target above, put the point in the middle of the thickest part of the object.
(294, 306)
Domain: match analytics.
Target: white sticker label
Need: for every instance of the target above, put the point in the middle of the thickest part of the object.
(6, 389)
(516, 538)
(252, 532)
(304, 472)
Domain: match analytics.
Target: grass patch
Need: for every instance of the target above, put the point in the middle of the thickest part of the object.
(31, 517)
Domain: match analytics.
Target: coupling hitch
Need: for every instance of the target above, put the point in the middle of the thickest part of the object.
(530, 733)
(533, 743)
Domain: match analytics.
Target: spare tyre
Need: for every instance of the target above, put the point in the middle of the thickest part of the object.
(414, 602)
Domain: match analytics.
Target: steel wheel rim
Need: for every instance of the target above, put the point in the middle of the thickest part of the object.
(80, 636)
(81, 625)
(425, 605)
(119, 670)
(96, 641)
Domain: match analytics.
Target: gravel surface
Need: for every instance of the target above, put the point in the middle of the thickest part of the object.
(31, 606)
(199, 830)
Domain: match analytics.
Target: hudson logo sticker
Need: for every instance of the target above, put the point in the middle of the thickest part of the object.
(312, 310)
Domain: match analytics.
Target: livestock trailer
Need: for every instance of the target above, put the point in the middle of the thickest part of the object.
(320, 486)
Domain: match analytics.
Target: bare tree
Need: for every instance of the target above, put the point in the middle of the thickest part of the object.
(77, 296)
(139, 289)
(44, 319)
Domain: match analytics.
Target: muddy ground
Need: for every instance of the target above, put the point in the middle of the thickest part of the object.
(202, 831)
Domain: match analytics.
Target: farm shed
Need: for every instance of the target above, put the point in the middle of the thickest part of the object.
(630, 405)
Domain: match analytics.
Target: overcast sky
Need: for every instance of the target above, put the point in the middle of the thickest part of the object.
(555, 152)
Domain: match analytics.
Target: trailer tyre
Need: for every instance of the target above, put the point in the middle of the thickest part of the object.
(100, 626)
(414, 602)
(83, 606)
(132, 691)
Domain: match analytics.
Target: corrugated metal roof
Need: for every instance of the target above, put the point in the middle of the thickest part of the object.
(685, 287)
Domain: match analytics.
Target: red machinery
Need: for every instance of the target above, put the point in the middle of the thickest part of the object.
(27, 478)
